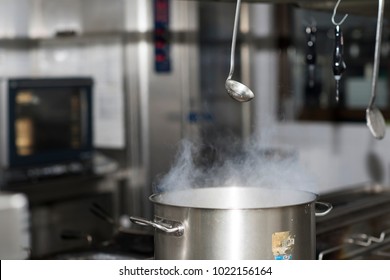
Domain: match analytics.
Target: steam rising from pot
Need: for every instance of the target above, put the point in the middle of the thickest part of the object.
(251, 164)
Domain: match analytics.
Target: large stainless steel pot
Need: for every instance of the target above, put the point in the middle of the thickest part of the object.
(234, 223)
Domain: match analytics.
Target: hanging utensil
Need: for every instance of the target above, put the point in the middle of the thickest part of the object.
(311, 54)
(375, 120)
(236, 90)
(312, 87)
(339, 65)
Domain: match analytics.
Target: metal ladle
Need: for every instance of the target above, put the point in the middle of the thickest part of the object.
(236, 90)
(375, 120)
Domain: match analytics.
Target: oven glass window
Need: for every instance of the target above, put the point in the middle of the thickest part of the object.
(48, 120)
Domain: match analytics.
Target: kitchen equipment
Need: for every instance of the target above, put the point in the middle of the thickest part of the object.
(234, 223)
(338, 61)
(14, 227)
(375, 120)
(122, 244)
(358, 226)
(45, 127)
(66, 224)
(313, 86)
(236, 90)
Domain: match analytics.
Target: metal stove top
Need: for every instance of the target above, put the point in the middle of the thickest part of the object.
(358, 227)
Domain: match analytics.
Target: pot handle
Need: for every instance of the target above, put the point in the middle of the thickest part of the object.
(325, 212)
(171, 227)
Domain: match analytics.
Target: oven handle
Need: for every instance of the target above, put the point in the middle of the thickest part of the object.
(167, 226)
(328, 206)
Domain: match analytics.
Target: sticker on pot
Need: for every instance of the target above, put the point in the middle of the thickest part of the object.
(283, 245)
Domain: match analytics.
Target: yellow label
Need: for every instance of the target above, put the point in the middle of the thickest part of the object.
(282, 245)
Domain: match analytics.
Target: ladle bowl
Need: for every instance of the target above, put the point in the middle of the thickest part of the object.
(238, 91)
(376, 122)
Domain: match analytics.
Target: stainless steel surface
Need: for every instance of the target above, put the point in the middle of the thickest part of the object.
(237, 223)
(328, 207)
(236, 90)
(366, 240)
(157, 106)
(166, 226)
(375, 120)
(358, 226)
(3, 124)
(358, 246)
(360, 239)
(14, 226)
(154, 122)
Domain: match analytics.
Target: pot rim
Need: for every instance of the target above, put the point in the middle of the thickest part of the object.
(305, 197)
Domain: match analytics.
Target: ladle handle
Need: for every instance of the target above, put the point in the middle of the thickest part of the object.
(338, 60)
(234, 39)
(378, 42)
(328, 206)
(171, 227)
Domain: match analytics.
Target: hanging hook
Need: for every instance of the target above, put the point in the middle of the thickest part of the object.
(334, 15)
(338, 61)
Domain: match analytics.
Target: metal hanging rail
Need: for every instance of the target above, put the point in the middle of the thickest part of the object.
(353, 7)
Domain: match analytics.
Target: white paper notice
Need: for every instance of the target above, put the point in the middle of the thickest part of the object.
(108, 117)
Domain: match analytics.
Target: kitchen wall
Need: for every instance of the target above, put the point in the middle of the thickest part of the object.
(31, 47)
(338, 154)
(140, 115)
(144, 111)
